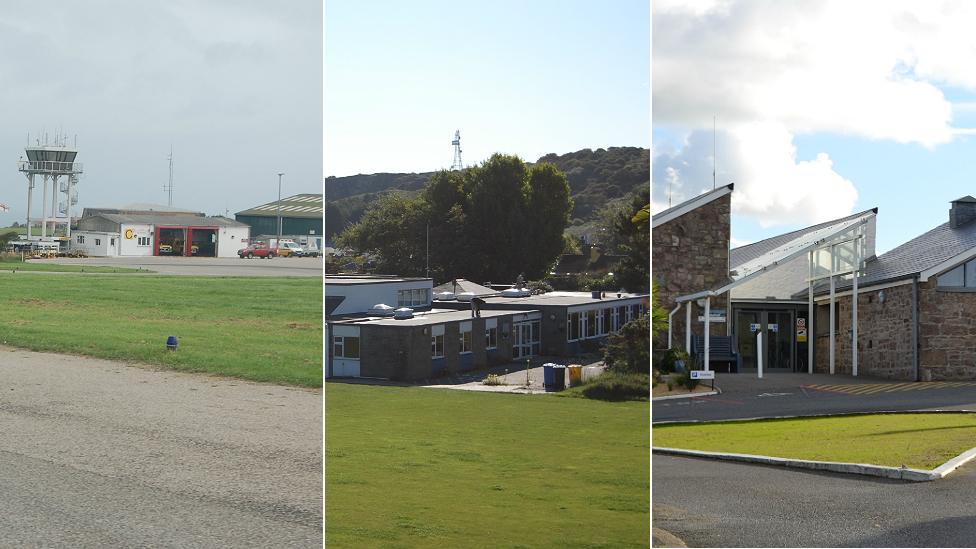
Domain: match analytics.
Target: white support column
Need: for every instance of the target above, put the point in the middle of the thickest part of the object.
(810, 333)
(44, 210)
(708, 312)
(832, 326)
(759, 351)
(857, 265)
(688, 327)
(810, 338)
(30, 195)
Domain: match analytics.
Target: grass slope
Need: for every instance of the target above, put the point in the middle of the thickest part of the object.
(923, 441)
(415, 467)
(261, 329)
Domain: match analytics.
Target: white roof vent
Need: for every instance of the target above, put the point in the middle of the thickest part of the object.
(403, 313)
(445, 296)
(381, 309)
(516, 292)
(465, 296)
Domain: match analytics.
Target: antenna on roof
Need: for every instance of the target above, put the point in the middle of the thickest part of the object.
(713, 153)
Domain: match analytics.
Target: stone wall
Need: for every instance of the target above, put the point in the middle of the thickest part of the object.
(884, 335)
(690, 254)
(947, 333)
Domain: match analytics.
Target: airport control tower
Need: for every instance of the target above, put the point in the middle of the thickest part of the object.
(53, 165)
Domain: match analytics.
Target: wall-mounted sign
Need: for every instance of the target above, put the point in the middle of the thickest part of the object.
(754, 327)
(703, 374)
(714, 315)
(129, 233)
(773, 328)
(801, 335)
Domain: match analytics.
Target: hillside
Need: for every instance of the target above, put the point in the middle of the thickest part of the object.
(596, 178)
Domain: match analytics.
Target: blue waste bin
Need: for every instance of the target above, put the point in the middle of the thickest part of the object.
(547, 375)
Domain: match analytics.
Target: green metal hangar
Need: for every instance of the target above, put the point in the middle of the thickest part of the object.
(301, 219)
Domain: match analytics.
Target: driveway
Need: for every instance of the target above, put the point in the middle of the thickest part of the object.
(99, 453)
(205, 266)
(709, 503)
(745, 396)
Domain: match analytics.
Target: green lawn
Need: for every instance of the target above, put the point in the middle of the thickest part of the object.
(262, 329)
(415, 467)
(923, 441)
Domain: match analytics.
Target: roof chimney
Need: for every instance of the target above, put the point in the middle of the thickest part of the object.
(963, 211)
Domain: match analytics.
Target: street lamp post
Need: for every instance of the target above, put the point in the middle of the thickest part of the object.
(278, 241)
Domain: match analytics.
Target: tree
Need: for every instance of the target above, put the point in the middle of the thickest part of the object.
(490, 222)
(394, 228)
(632, 232)
(629, 350)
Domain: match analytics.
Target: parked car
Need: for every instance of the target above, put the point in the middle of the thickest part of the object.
(256, 250)
(291, 249)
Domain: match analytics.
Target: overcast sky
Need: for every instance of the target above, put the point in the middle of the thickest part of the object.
(823, 108)
(514, 76)
(235, 86)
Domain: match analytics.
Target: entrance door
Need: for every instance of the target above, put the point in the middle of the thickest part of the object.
(526, 339)
(779, 340)
(777, 329)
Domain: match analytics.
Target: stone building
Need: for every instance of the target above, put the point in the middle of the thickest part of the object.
(916, 307)
(689, 253)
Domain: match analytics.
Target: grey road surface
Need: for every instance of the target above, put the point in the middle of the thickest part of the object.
(206, 266)
(745, 396)
(97, 453)
(709, 503)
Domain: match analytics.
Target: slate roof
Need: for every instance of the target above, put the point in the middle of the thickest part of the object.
(332, 302)
(170, 219)
(673, 212)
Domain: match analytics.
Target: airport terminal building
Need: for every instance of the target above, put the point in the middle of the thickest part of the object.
(789, 298)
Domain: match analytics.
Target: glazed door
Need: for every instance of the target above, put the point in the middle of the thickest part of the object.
(778, 327)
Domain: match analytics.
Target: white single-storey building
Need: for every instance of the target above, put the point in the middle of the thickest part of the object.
(148, 234)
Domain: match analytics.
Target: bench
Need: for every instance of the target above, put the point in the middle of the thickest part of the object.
(721, 351)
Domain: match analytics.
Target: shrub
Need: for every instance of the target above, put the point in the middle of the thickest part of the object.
(629, 350)
(684, 379)
(493, 379)
(618, 386)
(671, 356)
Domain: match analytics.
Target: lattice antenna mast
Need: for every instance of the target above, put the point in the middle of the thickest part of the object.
(169, 187)
(457, 151)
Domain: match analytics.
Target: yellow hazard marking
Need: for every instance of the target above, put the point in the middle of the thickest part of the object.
(874, 388)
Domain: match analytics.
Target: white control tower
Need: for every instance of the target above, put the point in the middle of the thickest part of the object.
(58, 171)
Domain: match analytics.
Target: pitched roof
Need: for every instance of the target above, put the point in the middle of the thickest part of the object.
(915, 256)
(461, 285)
(742, 254)
(675, 212)
(169, 219)
(299, 205)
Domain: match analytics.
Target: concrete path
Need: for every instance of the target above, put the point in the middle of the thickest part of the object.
(513, 376)
(99, 453)
(205, 266)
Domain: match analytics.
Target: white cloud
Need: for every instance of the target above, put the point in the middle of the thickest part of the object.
(771, 70)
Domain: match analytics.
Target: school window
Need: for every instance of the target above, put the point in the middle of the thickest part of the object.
(591, 323)
(573, 326)
(466, 338)
(345, 347)
(111, 241)
(621, 316)
(491, 338)
(437, 346)
(418, 297)
(615, 319)
(605, 325)
(81, 239)
(98, 241)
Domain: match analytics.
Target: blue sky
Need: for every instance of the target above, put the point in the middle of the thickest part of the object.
(525, 78)
(814, 119)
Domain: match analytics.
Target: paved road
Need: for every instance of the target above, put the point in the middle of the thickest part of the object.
(97, 453)
(744, 396)
(203, 266)
(710, 503)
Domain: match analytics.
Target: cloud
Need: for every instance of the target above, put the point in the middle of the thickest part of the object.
(770, 70)
(771, 184)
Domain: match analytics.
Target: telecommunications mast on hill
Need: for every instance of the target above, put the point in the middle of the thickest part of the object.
(457, 151)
